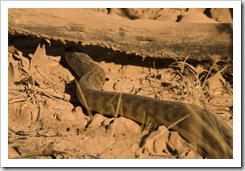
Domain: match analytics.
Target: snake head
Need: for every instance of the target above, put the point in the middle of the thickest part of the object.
(79, 60)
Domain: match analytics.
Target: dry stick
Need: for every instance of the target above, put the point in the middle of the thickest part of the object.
(184, 63)
(39, 113)
(215, 61)
(150, 80)
(109, 102)
(51, 93)
(44, 152)
(203, 84)
(80, 92)
(17, 100)
(146, 126)
(116, 113)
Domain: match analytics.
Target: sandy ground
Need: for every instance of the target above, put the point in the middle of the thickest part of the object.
(47, 121)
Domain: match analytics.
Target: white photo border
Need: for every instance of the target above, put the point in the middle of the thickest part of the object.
(235, 162)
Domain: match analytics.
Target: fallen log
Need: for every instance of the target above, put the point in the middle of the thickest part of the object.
(147, 38)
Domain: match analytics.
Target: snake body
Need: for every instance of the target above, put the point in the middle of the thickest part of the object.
(211, 136)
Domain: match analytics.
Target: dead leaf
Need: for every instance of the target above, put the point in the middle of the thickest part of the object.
(39, 58)
(10, 73)
(215, 84)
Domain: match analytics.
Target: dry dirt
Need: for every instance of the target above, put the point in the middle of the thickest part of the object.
(47, 121)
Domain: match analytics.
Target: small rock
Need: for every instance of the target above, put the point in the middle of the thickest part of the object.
(169, 14)
(159, 145)
(192, 155)
(11, 137)
(79, 112)
(107, 121)
(12, 153)
(124, 126)
(176, 144)
(197, 10)
(156, 141)
(97, 120)
(215, 84)
(221, 15)
(191, 17)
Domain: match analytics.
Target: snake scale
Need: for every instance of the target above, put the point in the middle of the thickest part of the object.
(211, 136)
